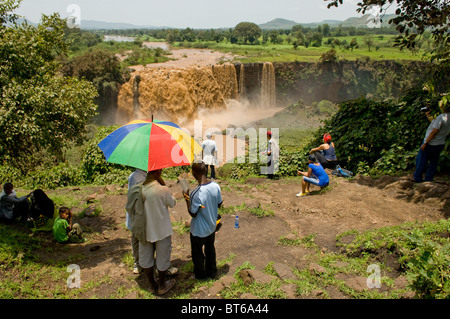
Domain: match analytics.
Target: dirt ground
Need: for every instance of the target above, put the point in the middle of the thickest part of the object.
(181, 58)
(362, 203)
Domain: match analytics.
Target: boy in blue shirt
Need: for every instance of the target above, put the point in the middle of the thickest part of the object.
(315, 175)
(203, 205)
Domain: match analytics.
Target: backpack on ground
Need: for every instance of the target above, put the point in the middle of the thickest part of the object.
(342, 172)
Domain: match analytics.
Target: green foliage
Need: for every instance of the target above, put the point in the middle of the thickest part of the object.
(16, 248)
(429, 272)
(94, 165)
(422, 251)
(248, 31)
(381, 136)
(39, 109)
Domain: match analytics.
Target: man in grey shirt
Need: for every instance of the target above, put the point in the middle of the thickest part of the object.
(11, 206)
(432, 146)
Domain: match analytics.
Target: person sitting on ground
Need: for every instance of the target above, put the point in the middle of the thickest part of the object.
(315, 175)
(64, 230)
(42, 208)
(325, 153)
(11, 206)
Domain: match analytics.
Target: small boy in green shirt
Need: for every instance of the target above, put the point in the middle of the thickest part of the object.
(63, 230)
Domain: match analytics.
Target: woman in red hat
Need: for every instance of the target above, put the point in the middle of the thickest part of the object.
(326, 153)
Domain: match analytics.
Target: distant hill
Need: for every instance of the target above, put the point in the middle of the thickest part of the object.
(274, 24)
(278, 24)
(358, 22)
(101, 25)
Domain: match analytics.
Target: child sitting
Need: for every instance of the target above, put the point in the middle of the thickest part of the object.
(63, 230)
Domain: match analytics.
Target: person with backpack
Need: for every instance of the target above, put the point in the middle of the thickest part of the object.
(150, 201)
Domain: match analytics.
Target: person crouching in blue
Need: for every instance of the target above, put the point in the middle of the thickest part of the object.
(315, 175)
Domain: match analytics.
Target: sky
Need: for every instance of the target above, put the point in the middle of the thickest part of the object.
(195, 14)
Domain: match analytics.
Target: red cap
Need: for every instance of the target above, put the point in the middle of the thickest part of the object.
(327, 137)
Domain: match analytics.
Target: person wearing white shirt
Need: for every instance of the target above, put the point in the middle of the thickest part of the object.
(210, 155)
(433, 144)
(158, 231)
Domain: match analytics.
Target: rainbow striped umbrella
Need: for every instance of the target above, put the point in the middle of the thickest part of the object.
(150, 145)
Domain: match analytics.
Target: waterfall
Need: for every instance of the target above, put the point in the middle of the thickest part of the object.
(268, 97)
(178, 94)
(242, 91)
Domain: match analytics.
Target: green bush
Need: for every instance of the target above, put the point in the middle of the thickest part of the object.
(382, 136)
(428, 271)
(422, 251)
(94, 166)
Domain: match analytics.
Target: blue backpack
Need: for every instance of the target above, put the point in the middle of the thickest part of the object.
(342, 172)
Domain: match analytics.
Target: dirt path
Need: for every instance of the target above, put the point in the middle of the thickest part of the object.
(359, 204)
(182, 58)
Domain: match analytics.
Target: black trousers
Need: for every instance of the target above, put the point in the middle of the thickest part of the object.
(324, 162)
(204, 261)
(213, 171)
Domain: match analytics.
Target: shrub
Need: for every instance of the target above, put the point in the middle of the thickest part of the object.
(380, 135)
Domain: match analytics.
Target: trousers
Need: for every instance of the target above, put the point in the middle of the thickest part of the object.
(427, 161)
(204, 262)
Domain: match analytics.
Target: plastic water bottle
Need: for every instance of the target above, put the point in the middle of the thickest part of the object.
(236, 222)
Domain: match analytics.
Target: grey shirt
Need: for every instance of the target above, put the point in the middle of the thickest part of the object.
(441, 123)
(7, 204)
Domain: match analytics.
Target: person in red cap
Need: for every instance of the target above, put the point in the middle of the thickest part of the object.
(270, 159)
(326, 153)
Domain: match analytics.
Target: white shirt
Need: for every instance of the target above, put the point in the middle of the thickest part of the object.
(441, 123)
(157, 200)
(209, 148)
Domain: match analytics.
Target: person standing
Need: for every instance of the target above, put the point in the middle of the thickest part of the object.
(158, 231)
(432, 146)
(272, 153)
(137, 177)
(210, 155)
(203, 204)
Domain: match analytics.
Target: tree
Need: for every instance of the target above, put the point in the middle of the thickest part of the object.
(353, 43)
(413, 18)
(248, 31)
(368, 40)
(102, 69)
(326, 30)
(40, 110)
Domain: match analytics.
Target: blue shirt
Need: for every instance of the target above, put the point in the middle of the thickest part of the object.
(320, 173)
(205, 200)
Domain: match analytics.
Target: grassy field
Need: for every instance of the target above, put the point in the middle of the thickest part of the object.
(381, 49)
